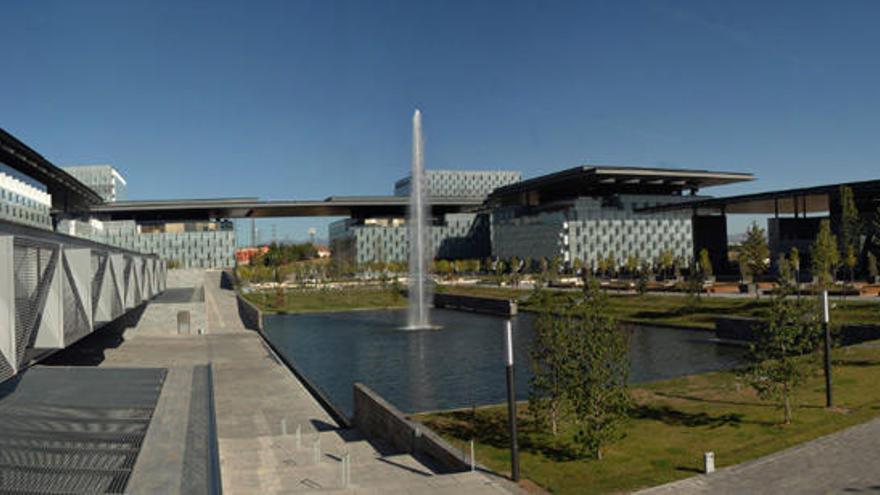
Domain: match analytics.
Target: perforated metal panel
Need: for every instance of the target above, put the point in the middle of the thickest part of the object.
(32, 261)
(76, 322)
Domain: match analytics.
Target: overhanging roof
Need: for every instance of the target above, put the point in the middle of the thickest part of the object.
(589, 180)
(786, 201)
(334, 206)
(67, 192)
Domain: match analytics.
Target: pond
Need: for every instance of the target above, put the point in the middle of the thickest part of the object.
(460, 365)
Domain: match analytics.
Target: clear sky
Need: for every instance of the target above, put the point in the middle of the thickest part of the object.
(302, 100)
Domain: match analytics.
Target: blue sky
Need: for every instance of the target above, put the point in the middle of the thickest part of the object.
(302, 100)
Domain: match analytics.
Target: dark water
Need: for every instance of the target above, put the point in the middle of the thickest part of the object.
(460, 365)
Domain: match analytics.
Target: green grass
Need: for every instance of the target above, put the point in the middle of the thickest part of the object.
(323, 300)
(675, 310)
(671, 427)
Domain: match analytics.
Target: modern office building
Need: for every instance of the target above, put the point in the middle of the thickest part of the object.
(453, 235)
(23, 202)
(103, 179)
(196, 244)
(583, 213)
(184, 244)
(590, 213)
(460, 183)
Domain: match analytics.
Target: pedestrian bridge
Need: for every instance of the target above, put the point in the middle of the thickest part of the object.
(56, 289)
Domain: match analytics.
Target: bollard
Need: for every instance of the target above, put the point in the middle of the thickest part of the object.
(316, 448)
(284, 427)
(345, 470)
(183, 323)
(473, 458)
(709, 462)
(299, 436)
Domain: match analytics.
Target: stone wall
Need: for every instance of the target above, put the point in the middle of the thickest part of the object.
(378, 419)
(501, 307)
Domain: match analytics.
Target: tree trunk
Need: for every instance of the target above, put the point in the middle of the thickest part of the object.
(787, 405)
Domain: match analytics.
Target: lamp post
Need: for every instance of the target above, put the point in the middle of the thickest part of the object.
(511, 404)
(826, 327)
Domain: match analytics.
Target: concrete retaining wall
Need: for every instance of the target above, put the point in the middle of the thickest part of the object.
(378, 419)
(743, 329)
(250, 315)
(501, 307)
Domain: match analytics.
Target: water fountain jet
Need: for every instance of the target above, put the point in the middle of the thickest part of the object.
(419, 245)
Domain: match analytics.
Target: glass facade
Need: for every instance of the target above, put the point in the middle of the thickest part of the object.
(23, 203)
(460, 183)
(103, 179)
(587, 228)
(190, 244)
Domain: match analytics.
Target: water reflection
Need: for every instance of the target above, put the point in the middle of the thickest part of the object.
(461, 365)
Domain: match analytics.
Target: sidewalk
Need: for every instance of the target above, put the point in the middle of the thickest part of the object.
(843, 462)
(258, 399)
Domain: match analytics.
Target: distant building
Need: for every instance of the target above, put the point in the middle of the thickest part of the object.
(243, 256)
(587, 213)
(460, 183)
(103, 179)
(323, 251)
(24, 203)
(453, 235)
(190, 244)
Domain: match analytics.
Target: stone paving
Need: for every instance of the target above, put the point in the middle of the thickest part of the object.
(260, 405)
(843, 462)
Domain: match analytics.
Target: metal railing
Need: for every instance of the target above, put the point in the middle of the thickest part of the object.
(56, 289)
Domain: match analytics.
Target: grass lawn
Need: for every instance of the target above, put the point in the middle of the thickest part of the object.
(317, 300)
(672, 425)
(675, 310)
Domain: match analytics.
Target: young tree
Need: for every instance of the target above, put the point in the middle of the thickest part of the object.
(825, 255)
(602, 266)
(872, 267)
(694, 285)
(753, 254)
(553, 268)
(850, 228)
(642, 282)
(875, 229)
(552, 366)
(632, 265)
(794, 259)
(666, 262)
(576, 266)
(777, 361)
(783, 270)
(599, 395)
(850, 261)
(705, 263)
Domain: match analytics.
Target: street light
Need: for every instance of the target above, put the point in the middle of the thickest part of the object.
(511, 405)
(826, 325)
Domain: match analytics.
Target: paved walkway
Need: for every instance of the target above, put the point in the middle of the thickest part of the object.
(843, 462)
(260, 405)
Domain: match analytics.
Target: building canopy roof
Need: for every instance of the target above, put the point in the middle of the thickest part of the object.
(68, 194)
(815, 199)
(589, 180)
(334, 206)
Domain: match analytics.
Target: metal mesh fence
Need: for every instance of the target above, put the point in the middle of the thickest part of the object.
(76, 322)
(33, 261)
